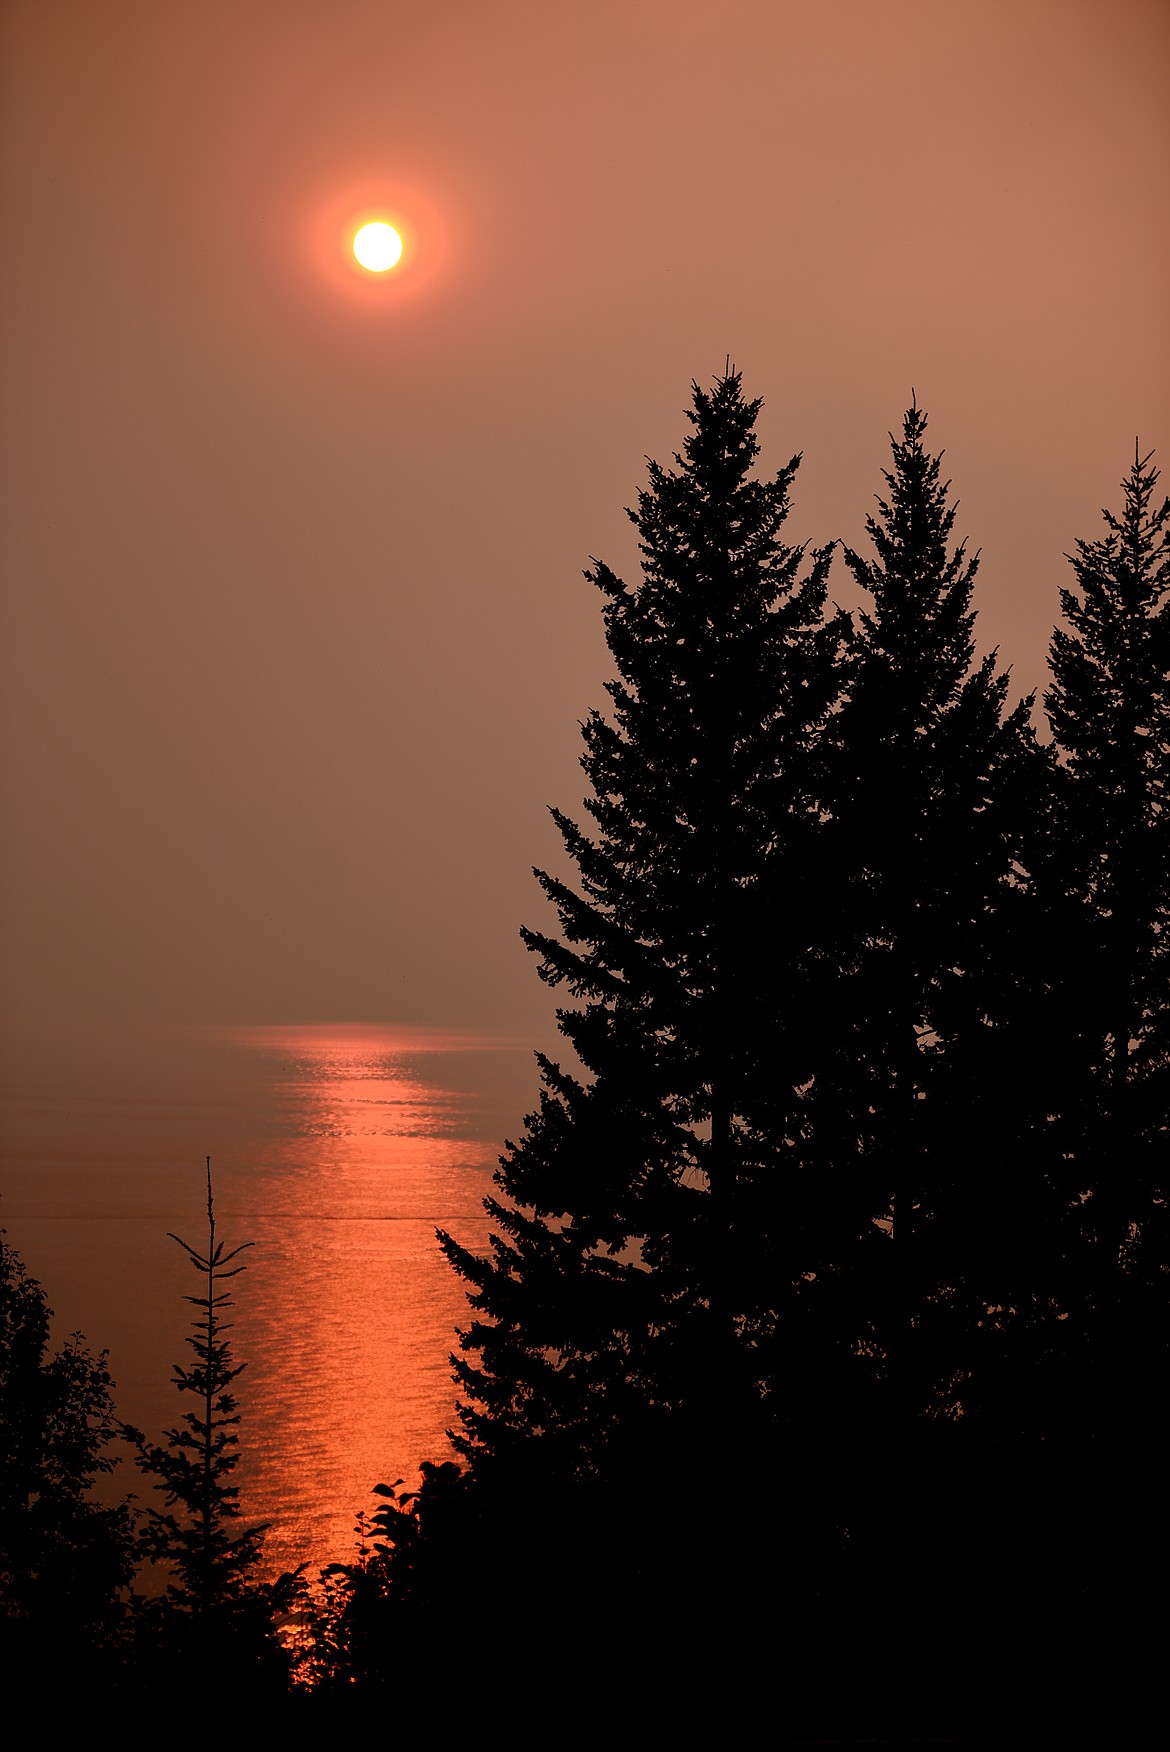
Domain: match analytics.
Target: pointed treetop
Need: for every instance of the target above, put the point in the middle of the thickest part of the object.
(1110, 661)
(216, 1258)
(921, 620)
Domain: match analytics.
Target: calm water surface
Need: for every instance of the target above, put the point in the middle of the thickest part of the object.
(337, 1150)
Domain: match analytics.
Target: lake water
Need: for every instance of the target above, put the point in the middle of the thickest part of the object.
(337, 1151)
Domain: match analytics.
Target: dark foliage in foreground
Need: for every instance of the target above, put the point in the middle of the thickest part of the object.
(65, 1561)
(855, 1221)
(816, 1366)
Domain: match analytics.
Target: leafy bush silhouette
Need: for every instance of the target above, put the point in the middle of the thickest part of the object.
(65, 1561)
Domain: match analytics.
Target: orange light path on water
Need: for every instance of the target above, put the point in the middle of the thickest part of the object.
(337, 1151)
(349, 1313)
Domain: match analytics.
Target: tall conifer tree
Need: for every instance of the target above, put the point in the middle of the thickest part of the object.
(934, 780)
(1109, 707)
(916, 1113)
(641, 1252)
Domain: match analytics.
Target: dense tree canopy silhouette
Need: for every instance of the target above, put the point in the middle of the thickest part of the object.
(64, 1558)
(826, 1308)
(804, 1218)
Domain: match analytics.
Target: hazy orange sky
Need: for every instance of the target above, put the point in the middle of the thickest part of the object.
(295, 634)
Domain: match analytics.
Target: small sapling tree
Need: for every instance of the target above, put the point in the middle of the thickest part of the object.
(216, 1614)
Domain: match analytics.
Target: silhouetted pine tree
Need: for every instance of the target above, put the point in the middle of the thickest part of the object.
(934, 781)
(917, 1114)
(1085, 1541)
(1109, 707)
(649, 1223)
(217, 1617)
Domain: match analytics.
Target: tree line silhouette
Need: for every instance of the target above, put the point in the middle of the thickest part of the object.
(820, 1351)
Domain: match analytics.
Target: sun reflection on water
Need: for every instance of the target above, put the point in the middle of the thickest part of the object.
(348, 1315)
(337, 1150)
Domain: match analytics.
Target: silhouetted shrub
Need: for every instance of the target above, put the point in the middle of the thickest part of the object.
(65, 1560)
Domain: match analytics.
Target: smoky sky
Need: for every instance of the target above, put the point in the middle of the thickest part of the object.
(296, 640)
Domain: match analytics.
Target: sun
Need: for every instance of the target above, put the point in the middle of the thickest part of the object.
(377, 246)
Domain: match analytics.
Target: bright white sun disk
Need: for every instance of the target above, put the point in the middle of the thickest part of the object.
(377, 246)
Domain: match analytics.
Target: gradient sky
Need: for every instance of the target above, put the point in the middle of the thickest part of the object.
(295, 634)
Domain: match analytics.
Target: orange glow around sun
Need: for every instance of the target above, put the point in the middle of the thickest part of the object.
(380, 243)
